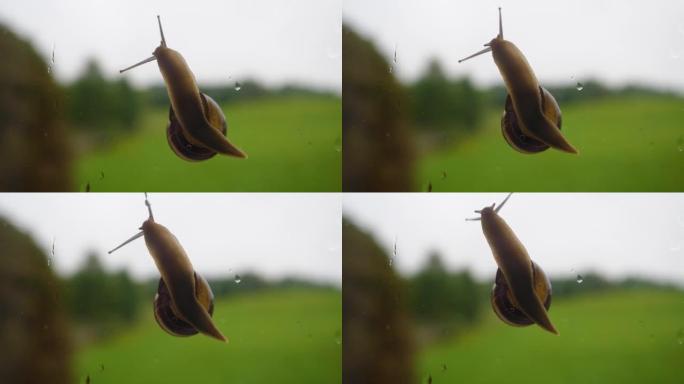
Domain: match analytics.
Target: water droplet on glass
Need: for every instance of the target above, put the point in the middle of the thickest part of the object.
(579, 86)
(429, 379)
(101, 367)
(391, 69)
(394, 58)
(338, 337)
(238, 279)
(87, 379)
(580, 279)
(444, 175)
(338, 144)
(87, 187)
(101, 175)
(52, 60)
(429, 188)
(238, 86)
(444, 367)
(680, 148)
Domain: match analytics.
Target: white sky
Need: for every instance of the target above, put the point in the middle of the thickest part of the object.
(275, 41)
(566, 234)
(273, 234)
(615, 41)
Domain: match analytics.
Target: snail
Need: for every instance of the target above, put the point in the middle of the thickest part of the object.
(521, 294)
(184, 301)
(197, 127)
(532, 119)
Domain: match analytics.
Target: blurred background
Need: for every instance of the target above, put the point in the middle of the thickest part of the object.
(417, 120)
(72, 313)
(418, 278)
(70, 122)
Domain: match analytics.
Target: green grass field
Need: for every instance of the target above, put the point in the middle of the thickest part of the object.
(625, 145)
(631, 337)
(294, 144)
(276, 337)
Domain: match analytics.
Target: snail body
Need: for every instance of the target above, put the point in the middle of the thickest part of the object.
(184, 302)
(522, 292)
(197, 126)
(532, 118)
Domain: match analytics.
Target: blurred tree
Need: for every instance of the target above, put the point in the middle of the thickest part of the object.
(444, 105)
(378, 143)
(378, 335)
(99, 299)
(35, 344)
(97, 105)
(443, 298)
(36, 154)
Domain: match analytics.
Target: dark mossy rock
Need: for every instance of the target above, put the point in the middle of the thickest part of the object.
(34, 337)
(378, 143)
(36, 155)
(378, 342)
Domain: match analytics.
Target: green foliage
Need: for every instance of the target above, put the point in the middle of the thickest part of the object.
(292, 143)
(96, 104)
(440, 296)
(96, 296)
(443, 104)
(613, 337)
(626, 144)
(275, 337)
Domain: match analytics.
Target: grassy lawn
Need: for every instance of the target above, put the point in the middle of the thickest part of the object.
(630, 337)
(293, 145)
(625, 145)
(283, 337)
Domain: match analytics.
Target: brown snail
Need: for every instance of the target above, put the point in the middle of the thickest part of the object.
(184, 301)
(521, 294)
(197, 126)
(532, 119)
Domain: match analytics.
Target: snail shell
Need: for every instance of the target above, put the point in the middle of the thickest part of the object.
(167, 315)
(516, 136)
(186, 148)
(504, 304)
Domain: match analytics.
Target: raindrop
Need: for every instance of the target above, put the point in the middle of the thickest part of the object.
(444, 367)
(338, 144)
(52, 253)
(391, 69)
(338, 337)
(52, 60)
(580, 279)
(680, 148)
(87, 187)
(579, 86)
(429, 379)
(394, 58)
(238, 279)
(238, 86)
(101, 367)
(429, 188)
(444, 175)
(87, 379)
(101, 175)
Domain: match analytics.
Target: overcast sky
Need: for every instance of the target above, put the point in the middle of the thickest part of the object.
(223, 234)
(566, 234)
(615, 41)
(275, 41)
